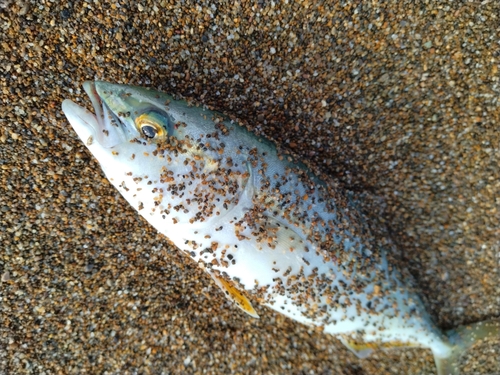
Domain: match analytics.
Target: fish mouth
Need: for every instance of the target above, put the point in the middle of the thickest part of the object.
(102, 127)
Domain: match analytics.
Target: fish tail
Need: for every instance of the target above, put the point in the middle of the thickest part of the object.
(462, 339)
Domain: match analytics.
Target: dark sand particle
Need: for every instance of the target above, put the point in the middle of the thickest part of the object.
(399, 100)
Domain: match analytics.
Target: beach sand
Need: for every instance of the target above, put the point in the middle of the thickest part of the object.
(399, 102)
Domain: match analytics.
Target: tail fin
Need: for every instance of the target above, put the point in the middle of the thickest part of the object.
(462, 339)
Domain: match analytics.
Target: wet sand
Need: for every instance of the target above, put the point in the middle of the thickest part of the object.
(399, 102)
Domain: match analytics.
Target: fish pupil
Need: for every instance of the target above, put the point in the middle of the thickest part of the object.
(148, 131)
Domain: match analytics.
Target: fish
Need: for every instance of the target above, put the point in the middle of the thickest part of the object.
(259, 222)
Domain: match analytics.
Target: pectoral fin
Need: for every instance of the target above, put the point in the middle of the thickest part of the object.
(234, 295)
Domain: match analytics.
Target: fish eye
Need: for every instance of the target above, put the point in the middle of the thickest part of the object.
(149, 131)
(152, 124)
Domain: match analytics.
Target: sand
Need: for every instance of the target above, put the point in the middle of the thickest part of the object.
(397, 101)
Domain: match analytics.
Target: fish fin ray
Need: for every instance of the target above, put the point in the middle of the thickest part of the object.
(360, 350)
(462, 339)
(364, 349)
(234, 294)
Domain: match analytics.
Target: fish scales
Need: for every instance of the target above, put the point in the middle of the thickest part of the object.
(257, 221)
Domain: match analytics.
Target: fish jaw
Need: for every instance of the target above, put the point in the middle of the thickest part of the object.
(102, 129)
(89, 130)
(83, 121)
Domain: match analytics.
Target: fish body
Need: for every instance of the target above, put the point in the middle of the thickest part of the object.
(258, 222)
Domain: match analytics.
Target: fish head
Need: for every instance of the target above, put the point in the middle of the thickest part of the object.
(147, 145)
(129, 122)
(122, 114)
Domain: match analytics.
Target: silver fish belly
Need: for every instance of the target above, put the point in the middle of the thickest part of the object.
(258, 222)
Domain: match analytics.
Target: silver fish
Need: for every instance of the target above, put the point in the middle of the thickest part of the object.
(259, 223)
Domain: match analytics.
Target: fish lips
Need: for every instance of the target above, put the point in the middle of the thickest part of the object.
(82, 120)
(101, 128)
